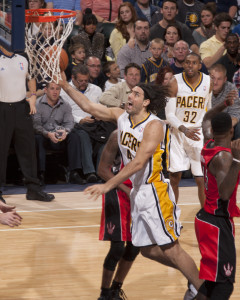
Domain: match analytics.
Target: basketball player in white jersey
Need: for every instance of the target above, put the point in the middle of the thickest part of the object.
(190, 93)
(155, 215)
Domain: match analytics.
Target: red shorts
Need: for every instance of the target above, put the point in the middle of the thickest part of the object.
(116, 217)
(215, 235)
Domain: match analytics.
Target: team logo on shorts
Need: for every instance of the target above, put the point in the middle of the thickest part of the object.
(110, 228)
(169, 223)
(228, 269)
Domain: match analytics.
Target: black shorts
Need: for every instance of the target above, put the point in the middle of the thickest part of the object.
(116, 217)
(217, 246)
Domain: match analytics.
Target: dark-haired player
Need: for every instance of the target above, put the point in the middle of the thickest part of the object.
(155, 215)
(190, 93)
(214, 225)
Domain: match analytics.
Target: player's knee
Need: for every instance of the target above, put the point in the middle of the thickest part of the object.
(131, 252)
(115, 253)
(175, 178)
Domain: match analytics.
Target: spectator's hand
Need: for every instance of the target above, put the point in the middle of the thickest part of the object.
(131, 43)
(236, 149)
(192, 134)
(87, 120)
(231, 96)
(32, 103)
(52, 137)
(10, 218)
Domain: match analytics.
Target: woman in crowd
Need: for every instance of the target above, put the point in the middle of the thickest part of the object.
(35, 4)
(104, 10)
(93, 41)
(164, 75)
(124, 30)
(171, 35)
(206, 29)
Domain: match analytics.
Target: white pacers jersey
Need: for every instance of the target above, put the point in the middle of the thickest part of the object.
(129, 139)
(192, 103)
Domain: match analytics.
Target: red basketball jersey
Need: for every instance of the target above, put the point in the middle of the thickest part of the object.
(213, 204)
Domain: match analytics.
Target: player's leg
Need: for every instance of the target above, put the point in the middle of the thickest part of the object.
(174, 256)
(114, 255)
(124, 266)
(201, 194)
(174, 180)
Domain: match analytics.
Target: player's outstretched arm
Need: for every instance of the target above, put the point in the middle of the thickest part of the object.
(152, 137)
(99, 111)
(206, 124)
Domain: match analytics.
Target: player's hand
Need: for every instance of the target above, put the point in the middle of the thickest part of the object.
(236, 148)
(52, 137)
(10, 218)
(193, 134)
(96, 190)
(6, 208)
(231, 96)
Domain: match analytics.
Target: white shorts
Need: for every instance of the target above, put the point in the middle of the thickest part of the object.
(184, 153)
(155, 215)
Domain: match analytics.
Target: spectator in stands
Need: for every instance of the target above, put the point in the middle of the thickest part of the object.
(227, 6)
(93, 41)
(70, 5)
(169, 11)
(152, 65)
(112, 72)
(95, 74)
(78, 55)
(164, 75)
(207, 28)
(124, 27)
(171, 35)
(221, 87)
(117, 96)
(105, 10)
(214, 48)
(140, 52)
(189, 13)
(180, 52)
(236, 76)
(80, 82)
(53, 112)
(146, 11)
(229, 60)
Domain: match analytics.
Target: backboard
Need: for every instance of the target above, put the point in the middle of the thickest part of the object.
(12, 25)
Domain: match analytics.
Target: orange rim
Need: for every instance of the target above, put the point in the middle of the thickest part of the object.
(38, 15)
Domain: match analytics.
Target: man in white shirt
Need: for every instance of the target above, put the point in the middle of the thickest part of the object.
(80, 81)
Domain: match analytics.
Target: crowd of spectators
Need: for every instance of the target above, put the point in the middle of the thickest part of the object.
(149, 42)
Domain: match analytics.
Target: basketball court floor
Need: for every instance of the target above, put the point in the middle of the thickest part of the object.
(55, 254)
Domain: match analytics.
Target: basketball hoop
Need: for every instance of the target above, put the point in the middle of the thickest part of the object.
(44, 42)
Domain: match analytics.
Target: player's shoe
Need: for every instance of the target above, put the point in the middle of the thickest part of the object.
(191, 292)
(118, 295)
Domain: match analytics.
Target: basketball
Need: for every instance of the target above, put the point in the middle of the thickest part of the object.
(63, 59)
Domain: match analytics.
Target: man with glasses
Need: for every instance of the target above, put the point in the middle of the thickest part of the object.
(96, 76)
(80, 82)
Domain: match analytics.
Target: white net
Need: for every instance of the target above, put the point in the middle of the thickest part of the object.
(44, 43)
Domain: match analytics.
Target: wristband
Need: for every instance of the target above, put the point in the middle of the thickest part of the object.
(236, 160)
(33, 94)
(225, 103)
